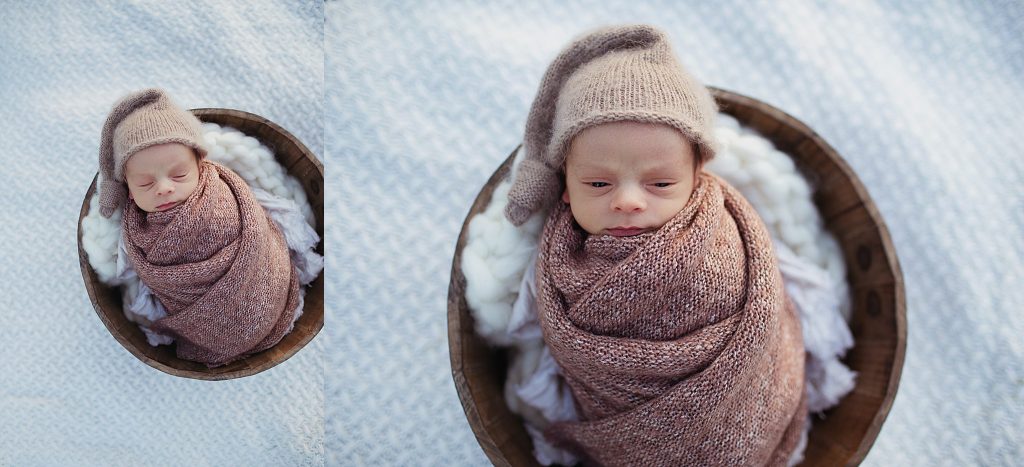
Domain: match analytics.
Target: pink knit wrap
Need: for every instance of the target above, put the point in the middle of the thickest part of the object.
(219, 266)
(679, 345)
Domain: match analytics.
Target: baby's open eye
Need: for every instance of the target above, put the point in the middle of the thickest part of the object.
(598, 184)
(663, 184)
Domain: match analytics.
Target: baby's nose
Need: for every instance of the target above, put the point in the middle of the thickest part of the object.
(165, 188)
(629, 200)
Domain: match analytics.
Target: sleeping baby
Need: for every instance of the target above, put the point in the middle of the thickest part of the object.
(193, 231)
(659, 295)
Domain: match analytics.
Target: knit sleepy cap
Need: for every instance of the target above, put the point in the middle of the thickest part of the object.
(625, 73)
(140, 120)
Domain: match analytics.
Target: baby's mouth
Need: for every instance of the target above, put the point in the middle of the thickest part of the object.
(626, 231)
(166, 206)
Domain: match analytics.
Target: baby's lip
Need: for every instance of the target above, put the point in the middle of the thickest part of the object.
(626, 231)
(166, 205)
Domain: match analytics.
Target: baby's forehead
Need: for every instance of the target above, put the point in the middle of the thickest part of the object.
(155, 160)
(650, 160)
(652, 164)
(633, 140)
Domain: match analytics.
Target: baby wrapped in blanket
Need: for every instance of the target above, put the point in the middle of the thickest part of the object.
(195, 234)
(659, 295)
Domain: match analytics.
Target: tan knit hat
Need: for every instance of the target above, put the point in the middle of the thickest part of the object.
(626, 73)
(140, 120)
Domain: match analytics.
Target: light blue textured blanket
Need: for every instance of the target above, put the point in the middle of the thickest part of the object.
(421, 101)
(923, 99)
(69, 394)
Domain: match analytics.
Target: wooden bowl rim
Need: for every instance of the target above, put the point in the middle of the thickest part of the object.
(726, 98)
(92, 283)
(889, 249)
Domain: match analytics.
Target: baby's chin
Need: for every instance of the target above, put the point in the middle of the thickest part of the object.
(166, 206)
(158, 208)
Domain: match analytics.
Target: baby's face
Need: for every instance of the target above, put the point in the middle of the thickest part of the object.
(627, 178)
(162, 176)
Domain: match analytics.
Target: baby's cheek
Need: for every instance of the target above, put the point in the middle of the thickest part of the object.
(188, 190)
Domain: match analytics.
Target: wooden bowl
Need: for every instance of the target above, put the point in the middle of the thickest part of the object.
(297, 161)
(878, 319)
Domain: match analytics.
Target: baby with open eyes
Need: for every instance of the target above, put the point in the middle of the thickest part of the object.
(658, 292)
(194, 233)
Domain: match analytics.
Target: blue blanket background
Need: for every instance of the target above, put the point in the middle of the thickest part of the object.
(70, 395)
(418, 103)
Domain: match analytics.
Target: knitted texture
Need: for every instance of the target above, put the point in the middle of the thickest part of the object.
(219, 266)
(611, 74)
(140, 120)
(680, 345)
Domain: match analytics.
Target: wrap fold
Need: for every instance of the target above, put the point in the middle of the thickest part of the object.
(679, 345)
(219, 266)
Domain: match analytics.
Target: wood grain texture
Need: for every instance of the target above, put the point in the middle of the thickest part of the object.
(878, 321)
(299, 162)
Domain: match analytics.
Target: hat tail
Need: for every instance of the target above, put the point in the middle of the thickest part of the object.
(112, 191)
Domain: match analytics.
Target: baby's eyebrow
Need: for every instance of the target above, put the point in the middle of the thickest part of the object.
(593, 172)
(666, 168)
(138, 178)
(180, 165)
(589, 165)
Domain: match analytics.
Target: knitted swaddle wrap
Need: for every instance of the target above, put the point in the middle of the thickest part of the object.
(219, 265)
(679, 345)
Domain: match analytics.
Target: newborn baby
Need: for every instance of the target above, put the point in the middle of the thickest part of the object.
(194, 233)
(659, 295)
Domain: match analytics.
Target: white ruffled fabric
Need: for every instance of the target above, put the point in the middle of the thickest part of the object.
(535, 388)
(499, 260)
(279, 194)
